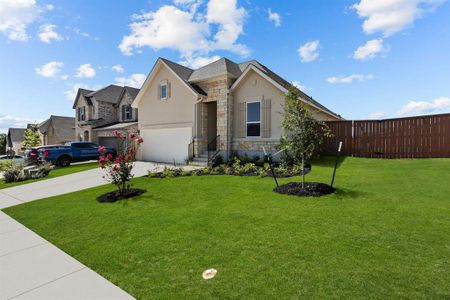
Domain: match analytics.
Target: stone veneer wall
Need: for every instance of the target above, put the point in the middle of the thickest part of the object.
(217, 91)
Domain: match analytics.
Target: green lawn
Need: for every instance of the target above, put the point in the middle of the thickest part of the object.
(384, 234)
(54, 173)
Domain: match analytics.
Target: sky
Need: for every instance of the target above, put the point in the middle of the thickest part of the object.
(363, 59)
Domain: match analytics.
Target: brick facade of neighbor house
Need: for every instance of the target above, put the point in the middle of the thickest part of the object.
(212, 102)
(103, 113)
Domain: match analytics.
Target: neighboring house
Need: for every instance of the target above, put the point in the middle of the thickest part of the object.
(232, 107)
(14, 140)
(99, 113)
(57, 130)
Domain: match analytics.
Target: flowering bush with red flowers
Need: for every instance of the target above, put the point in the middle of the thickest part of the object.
(118, 169)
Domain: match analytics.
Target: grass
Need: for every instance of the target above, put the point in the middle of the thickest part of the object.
(384, 234)
(54, 173)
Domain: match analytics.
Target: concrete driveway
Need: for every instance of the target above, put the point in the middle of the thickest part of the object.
(67, 184)
(33, 268)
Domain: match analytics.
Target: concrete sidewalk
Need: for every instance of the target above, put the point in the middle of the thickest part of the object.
(33, 268)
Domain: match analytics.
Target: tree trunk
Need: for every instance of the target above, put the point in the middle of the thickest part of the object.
(303, 173)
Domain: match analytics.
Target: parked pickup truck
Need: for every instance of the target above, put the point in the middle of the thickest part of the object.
(63, 156)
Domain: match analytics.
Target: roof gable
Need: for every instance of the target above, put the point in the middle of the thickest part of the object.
(180, 72)
(82, 93)
(110, 94)
(219, 67)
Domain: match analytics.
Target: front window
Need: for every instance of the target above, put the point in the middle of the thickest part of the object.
(254, 119)
(127, 112)
(82, 113)
(163, 91)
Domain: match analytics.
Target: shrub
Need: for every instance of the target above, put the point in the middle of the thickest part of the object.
(43, 170)
(217, 161)
(249, 169)
(14, 172)
(118, 169)
(5, 164)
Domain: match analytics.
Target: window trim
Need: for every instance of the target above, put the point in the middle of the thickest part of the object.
(252, 122)
(127, 110)
(165, 84)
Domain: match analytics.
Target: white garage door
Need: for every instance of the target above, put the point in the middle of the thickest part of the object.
(166, 145)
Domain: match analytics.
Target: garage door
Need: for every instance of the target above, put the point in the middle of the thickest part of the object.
(166, 145)
(111, 142)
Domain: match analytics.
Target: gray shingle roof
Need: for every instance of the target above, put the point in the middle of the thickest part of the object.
(64, 127)
(15, 135)
(284, 83)
(84, 93)
(225, 66)
(184, 73)
(110, 94)
(222, 66)
(132, 91)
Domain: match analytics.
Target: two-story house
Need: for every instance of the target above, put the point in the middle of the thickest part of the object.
(99, 113)
(223, 106)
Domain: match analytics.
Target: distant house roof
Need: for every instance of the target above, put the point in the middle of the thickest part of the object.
(64, 127)
(15, 135)
(110, 94)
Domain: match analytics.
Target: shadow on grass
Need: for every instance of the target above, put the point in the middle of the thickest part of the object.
(343, 193)
(328, 161)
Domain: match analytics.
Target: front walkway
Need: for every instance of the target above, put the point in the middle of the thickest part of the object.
(33, 268)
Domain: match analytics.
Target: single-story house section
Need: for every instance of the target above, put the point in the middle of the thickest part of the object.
(57, 130)
(223, 106)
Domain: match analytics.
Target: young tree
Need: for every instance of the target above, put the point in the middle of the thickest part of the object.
(31, 137)
(303, 134)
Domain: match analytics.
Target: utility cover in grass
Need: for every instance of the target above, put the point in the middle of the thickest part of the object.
(314, 189)
(209, 274)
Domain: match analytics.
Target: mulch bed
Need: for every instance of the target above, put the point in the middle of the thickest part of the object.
(314, 189)
(115, 196)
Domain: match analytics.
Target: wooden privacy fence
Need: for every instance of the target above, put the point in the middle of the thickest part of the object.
(423, 136)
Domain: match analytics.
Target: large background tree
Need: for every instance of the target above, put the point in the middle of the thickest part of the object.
(31, 137)
(2, 143)
(303, 135)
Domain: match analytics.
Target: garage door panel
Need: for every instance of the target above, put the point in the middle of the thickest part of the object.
(111, 142)
(166, 144)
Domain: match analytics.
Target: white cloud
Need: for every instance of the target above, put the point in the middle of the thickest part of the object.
(349, 78)
(392, 16)
(135, 80)
(370, 50)
(118, 69)
(376, 115)
(230, 20)
(300, 86)
(274, 17)
(50, 69)
(189, 32)
(8, 121)
(85, 71)
(15, 16)
(198, 61)
(309, 52)
(47, 33)
(49, 7)
(85, 34)
(441, 104)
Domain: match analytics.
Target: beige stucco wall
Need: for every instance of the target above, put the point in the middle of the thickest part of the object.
(176, 111)
(255, 88)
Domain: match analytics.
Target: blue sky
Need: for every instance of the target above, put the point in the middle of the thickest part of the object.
(360, 58)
